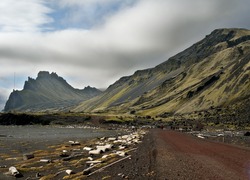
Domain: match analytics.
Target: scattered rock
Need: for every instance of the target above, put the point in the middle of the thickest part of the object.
(69, 171)
(14, 172)
(38, 175)
(247, 133)
(28, 156)
(86, 172)
(64, 155)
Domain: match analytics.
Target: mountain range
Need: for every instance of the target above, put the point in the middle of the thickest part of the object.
(48, 92)
(212, 73)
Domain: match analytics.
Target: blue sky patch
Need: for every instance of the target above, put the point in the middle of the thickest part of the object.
(84, 16)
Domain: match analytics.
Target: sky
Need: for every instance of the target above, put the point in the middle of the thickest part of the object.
(95, 42)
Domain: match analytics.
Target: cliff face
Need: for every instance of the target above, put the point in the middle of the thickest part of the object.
(214, 72)
(47, 92)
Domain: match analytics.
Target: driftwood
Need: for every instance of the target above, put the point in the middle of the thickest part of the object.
(121, 147)
(105, 156)
(74, 155)
(103, 138)
(74, 143)
(60, 172)
(121, 153)
(88, 170)
(90, 158)
(98, 170)
(93, 162)
(101, 149)
(105, 147)
(45, 160)
(95, 152)
(111, 139)
(87, 148)
(131, 150)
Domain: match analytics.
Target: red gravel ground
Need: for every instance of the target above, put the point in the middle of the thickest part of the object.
(182, 156)
(171, 155)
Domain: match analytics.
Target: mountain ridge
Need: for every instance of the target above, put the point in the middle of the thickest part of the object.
(47, 92)
(212, 73)
(198, 78)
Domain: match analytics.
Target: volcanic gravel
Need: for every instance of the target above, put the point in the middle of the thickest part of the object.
(165, 154)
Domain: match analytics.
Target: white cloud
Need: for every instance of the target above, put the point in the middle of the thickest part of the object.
(23, 16)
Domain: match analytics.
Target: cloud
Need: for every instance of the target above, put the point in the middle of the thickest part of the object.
(129, 36)
(23, 16)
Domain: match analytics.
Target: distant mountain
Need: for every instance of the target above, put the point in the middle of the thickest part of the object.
(214, 72)
(2, 102)
(48, 92)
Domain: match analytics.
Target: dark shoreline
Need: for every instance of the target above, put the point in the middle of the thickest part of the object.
(13, 148)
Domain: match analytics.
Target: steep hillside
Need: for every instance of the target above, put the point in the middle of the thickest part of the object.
(211, 73)
(47, 92)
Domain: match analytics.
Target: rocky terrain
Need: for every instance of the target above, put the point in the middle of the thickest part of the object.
(48, 92)
(137, 154)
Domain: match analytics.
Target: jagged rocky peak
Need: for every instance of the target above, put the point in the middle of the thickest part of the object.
(46, 74)
(43, 74)
(48, 91)
(29, 84)
(89, 88)
(92, 90)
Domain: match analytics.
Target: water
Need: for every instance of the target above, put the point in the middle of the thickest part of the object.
(25, 139)
(50, 133)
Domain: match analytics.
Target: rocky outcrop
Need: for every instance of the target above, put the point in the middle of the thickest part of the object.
(48, 92)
